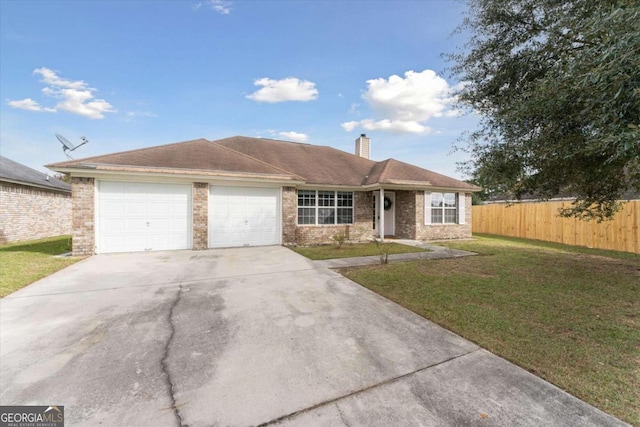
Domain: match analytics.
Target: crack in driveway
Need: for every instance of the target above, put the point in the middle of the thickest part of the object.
(164, 362)
(353, 393)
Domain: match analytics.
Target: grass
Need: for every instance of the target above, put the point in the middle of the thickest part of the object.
(570, 315)
(23, 263)
(350, 250)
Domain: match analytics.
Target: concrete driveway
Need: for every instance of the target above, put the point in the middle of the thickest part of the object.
(251, 336)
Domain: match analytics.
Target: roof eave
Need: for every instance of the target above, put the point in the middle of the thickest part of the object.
(114, 171)
(391, 185)
(417, 185)
(32, 184)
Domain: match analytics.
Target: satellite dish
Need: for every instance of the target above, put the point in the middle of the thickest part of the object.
(68, 145)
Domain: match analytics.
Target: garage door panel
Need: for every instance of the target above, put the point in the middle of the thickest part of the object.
(160, 225)
(244, 216)
(177, 210)
(158, 209)
(135, 207)
(140, 216)
(178, 224)
(133, 225)
(115, 225)
(111, 207)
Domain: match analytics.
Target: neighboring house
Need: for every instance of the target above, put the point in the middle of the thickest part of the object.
(33, 205)
(244, 191)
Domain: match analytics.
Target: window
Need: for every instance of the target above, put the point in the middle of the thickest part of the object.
(345, 207)
(325, 207)
(444, 208)
(306, 207)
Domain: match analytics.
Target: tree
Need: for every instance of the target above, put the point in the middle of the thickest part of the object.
(557, 86)
(63, 177)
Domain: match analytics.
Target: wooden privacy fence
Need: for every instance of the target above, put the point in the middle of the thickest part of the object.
(540, 221)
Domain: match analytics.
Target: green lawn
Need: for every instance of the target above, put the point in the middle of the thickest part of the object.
(349, 250)
(23, 263)
(569, 315)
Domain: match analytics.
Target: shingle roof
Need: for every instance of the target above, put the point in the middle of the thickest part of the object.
(198, 154)
(313, 164)
(393, 171)
(317, 164)
(18, 173)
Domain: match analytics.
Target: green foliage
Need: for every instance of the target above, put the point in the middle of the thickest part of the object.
(568, 314)
(478, 198)
(557, 84)
(383, 251)
(63, 177)
(339, 238)
(25, 262)
(351, 250)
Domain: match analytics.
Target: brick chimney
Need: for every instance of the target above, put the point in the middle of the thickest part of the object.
(363, 146)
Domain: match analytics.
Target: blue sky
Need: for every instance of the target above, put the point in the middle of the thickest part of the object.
(132, 74)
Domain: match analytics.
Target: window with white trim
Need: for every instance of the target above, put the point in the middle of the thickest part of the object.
(321, 207)
(444, 208)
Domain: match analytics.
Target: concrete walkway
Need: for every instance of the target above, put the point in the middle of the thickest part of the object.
(435, 252)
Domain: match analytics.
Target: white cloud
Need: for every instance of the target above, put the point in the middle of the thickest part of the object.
(220, 6)
(141, 114)
(26, 104)
(349, 126)
(291, 135)
(354, 109)
(133, 115)
(289, 89)
(394, 126)
(76, 97)
(294, 136)
(405, 104)
(51, 78)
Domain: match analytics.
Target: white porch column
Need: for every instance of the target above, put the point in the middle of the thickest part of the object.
(381, 211)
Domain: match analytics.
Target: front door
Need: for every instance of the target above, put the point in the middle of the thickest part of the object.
(389, 213)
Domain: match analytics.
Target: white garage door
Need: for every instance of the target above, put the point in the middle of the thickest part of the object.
(243, 216)
(143, 217)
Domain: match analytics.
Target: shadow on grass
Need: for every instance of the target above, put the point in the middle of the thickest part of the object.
(50, 246)
(559, 246)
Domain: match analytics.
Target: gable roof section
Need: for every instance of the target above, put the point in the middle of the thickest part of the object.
(239, 155)
(197, 155)
(17, 173)
(393, 171)
(317, 164)
(328, 166)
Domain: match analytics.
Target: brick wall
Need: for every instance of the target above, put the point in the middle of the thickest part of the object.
(361, 230)
(441, 231)
(405, 206)
(83, 218)
(200, 215)
(364, 215)
(289, 215)
(409, 207)
(29, 213)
